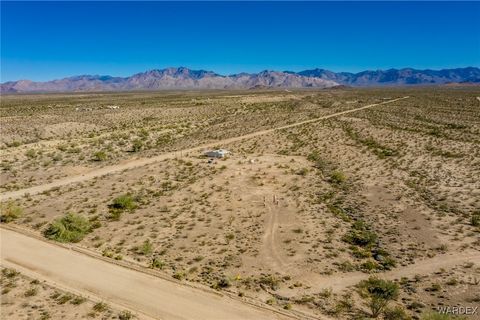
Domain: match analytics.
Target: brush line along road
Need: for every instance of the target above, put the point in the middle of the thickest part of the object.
(145, 161)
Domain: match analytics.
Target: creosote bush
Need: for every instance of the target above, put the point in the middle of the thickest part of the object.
(360, 235)
(10, 212)
(337, 177)
(396, 313)
(439, 316)
(100, 156)
(475, 220)
(124, 202)
(100, 307)
(137, 145)
(157, 263)
(147, 248)
(120, 204)
(378, 293)
(125, 315)
(69, 228)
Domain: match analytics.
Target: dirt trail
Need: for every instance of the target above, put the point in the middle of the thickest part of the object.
(269, 250)
(146, 294)
(145, 161)
(422, 267)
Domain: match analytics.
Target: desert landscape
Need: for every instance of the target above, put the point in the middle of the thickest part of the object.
(326, 197)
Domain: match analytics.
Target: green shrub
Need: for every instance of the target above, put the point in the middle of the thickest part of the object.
(360, 253)
(346, 266)
(387, 263)
(137, 145)
(147, 248)
(439, 316)
(115, 215)
(157, 263)
(360, 235)
(100, 307)
(383, 258)
(78, 300)
(434, 287)
(31, 153)
(269, 281)
(302, 172)
(64, 299)
(396, 313)
(31, 292)
(379, 293)
(314, 156)
(10, 212)
(124, 202)
(179, 275)
(337, 177)
(125, 315)
(222, 283)
(369, 265)
(69, 228)
(100, 156)
(475, 220)
(340, 212)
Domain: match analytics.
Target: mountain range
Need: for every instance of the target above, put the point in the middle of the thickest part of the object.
(184, 78)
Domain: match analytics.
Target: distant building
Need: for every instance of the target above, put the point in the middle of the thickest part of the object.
(220, 153)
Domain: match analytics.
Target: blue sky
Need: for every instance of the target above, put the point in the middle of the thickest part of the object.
(49, 40)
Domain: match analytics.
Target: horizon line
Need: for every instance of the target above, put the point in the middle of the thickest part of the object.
(233, 74)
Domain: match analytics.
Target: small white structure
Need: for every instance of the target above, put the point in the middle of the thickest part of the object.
(113, 107)
(219, 153)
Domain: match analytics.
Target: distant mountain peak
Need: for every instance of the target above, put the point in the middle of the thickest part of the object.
(185, 78)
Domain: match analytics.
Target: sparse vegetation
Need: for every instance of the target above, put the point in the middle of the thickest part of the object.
(439, 316)
(10, 212)
(476, 219)
(125, 315)
(379, 189)
(69, 228)
(361, 235)
(100, 156)
(124, 202)
(100, 307)
(378, 294)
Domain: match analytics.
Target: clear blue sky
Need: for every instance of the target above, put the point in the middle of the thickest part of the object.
(42, 41)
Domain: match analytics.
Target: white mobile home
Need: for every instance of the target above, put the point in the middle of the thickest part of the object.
(219, 153)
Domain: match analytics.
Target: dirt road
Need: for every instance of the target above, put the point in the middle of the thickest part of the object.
(148, 295)
(145, 161)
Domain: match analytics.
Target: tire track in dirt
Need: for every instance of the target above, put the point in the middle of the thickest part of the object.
(134, 163)
(269, 251)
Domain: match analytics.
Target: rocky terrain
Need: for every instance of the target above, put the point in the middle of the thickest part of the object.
(184, 78)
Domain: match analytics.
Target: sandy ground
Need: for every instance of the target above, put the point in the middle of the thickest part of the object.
(141, 162)
(148, 295)
(422, 267)
(268, 224)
